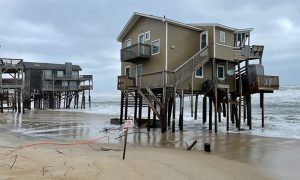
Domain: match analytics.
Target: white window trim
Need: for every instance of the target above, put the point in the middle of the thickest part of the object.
(205, 32)
(142, 34)
(147, 39)
(158, 48)
(129, 70)
(196, 76)
(218, 72)
(128, 40)
(222, 32)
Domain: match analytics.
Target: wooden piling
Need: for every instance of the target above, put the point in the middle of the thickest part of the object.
(262, 109)
(140, 111)
(181, 111)
(196, 107)
(204, 109)
(170, 104)
(174, 111)
(210, 115)
(249, 111)
(126, 105)
(224, 109)
(149, 118)
(19, 101)
(1, 103)
(135, 104)
(122, 107)
(216, 108)
(154, 116)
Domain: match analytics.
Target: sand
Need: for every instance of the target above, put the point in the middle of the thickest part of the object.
(233, 156)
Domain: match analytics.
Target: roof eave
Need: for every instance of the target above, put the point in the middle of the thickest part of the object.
(135, 17)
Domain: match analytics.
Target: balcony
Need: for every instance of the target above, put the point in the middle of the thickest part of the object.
(11, 83)
(135, 52)
(69, 77)
(248, 52)
(265, 83)
(49, 87)
(124, 82)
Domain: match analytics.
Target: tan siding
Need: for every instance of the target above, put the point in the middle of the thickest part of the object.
(182, 44)
(207, 70)
(210, 39)
(157, 31)
(224, 50)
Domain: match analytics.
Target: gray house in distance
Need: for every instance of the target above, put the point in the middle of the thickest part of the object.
(50, 85)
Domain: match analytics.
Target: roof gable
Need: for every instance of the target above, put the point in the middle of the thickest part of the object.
(136, 16)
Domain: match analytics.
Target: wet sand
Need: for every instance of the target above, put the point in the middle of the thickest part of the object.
(149, 156)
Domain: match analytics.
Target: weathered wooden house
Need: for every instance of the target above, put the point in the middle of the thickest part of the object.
(51, 85)
(162, 58)
(47, 85)
(11, 84)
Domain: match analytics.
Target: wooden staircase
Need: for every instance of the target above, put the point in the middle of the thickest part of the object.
(186, 69)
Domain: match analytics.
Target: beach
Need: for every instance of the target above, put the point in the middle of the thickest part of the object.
(67, 145)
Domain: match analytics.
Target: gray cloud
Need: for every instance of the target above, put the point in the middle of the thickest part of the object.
(85, 32)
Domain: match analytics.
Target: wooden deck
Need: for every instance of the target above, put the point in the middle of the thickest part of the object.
(248, 52)
(135, 52)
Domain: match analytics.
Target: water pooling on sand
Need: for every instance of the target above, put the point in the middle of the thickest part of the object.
(282, 118)
(282, 112)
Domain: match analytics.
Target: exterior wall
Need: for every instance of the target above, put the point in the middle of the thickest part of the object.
(224, 50)
(183, 43)
(210, 39)
(157, 31)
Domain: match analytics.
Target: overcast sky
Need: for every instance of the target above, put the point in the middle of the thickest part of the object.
(85, 32)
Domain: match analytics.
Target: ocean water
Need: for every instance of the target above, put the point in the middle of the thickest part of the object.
(282, 112)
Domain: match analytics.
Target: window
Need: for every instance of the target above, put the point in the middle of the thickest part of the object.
(47, 73)
(65, 83)
(127, 71)
(75, 73)
(220, 71)
(147, 35)
(127, 43)
(73, 84)
(203, 40)
(222, 37)
(199, 73)
(155, 47)
(60, 73)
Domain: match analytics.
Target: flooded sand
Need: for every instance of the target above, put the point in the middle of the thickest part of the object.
(278, 158)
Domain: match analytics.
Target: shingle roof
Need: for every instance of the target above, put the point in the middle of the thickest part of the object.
(49, 66)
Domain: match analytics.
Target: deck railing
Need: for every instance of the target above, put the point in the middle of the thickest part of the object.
(267, 82)
(49, 87)
(135, 51)
(125, 82)
(9, 82)
(194, 63)
(157, 79)
(248, 52)
(68, 77)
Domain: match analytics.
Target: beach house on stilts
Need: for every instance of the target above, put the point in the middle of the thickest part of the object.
(162, 59)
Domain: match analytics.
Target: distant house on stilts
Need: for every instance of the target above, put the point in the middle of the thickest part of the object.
(48, 85)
